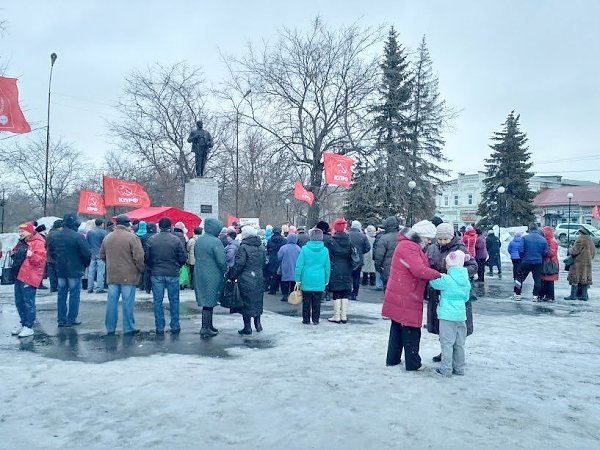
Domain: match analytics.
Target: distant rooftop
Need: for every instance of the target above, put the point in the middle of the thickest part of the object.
(588, 195)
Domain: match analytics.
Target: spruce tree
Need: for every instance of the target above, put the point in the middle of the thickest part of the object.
(507, 166)
(393, 129)
(363, 202)
(429, 115)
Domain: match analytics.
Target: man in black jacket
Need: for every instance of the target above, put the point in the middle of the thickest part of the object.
(71, 255)
(165, 254)
(275, 243)
(361, 244)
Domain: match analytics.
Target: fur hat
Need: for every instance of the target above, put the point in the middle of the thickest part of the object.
(456, 258)
(444, 231)
(248, 230)
(436, 220)
(340, 225)
(323, 226)
(315, 234)
(27, 226)
(425, 228)
(293, 230)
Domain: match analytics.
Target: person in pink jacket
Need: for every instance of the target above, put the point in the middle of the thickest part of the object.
(29, 263)
(403, 301)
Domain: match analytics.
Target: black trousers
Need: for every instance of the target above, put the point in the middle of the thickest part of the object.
(311, 306)
(547, 290)
(516, 264)
(274, 283)
(407, 338)
(368, 278)
(286, 288)
(481, 270)
(52, 277)
(536, 271)
(355, 282)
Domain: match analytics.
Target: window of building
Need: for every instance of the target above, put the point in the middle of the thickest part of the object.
(470, 199)
(446, 201)
(456, 200)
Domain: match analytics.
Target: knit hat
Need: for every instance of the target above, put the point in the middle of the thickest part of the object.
(181, 226)
(436, 220)
(340, 225)
(323, 226)
(315, 234)
(164, 223)
(58, 223)
(293, 230)
(456, 258)
(27, 226)
(444, 231)
(424, 228)
(285, 229)
(356, 224)
(40, 228)
(276, 230)
(370, 230)
(248, 230)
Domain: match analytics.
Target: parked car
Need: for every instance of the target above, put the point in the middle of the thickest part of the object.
(565, 230)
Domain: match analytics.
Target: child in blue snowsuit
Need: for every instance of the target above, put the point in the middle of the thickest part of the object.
(455, 288)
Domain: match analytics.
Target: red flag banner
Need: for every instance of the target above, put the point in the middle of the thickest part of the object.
(338, 169)
(124, 193)
(596, 212)
(231, 219)
(302, 194)
(11, 116)
(91, 203)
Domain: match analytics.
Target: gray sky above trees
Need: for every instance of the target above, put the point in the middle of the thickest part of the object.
(536, 57)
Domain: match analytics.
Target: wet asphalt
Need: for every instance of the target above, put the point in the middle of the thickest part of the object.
(89, 343)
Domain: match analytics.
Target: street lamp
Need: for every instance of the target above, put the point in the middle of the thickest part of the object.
(570, 197)
(501, 190)
(52, 61)
(287, 208)
(237, 150)
(411, 187)
(2, 205)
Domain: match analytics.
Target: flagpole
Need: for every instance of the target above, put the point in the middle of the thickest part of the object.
(52, 61)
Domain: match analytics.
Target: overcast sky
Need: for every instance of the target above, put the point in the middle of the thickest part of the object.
(537, 57)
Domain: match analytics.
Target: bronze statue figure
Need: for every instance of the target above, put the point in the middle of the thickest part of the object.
(202, 142)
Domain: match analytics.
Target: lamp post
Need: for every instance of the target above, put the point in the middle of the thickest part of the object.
(570, 197)
(2, 205)
(501, 190)
(411, 187)
(237, 150)
(52, 61)
(287, 209)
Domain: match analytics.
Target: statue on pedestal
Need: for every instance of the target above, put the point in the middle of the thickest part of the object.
(202, 142)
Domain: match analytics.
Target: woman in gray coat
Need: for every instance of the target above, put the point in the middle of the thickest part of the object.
(209, 272)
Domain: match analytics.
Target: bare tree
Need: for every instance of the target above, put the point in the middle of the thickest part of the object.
(310, 91)
(66, 168)
(159, 108)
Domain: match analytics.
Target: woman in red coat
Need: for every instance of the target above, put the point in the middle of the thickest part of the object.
(29, 263)
(470, 239)
(403, 301)
(548, 279)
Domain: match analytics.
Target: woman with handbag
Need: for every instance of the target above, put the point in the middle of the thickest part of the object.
(549, 268)
(312, 275)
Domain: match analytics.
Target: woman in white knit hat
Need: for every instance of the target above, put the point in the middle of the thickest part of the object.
(403, 301)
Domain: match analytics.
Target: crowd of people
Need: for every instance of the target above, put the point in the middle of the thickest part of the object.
(430, 261)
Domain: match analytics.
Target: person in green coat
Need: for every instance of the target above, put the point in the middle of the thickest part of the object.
(209, 274)
(312, 275)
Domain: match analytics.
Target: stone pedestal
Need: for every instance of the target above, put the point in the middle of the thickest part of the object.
(201, 196)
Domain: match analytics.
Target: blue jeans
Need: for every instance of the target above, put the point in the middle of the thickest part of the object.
(70, 287)
(378, 281)
(159, 284)
(96, 272)
(127, 291)
(25, 303)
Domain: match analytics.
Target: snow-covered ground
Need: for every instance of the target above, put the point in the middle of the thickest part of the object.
(531, 382)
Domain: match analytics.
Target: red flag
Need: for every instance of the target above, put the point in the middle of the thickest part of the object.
(124, 193)
(338, 169)
(91, 203)
(11, 116)
(231, 219)
(302, 194)
(596, 212)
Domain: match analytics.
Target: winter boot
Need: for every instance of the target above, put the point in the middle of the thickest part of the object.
(257, 324)
(247, 327)
(573, 295)
(205, 331)
(344, 311)
(372, 279)
(337, 306)
(584, 292)
(365, 279)
(211, 326)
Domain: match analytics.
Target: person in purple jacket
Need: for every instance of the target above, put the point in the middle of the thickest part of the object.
(481, 255)
(287, 255)
(513, 251)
